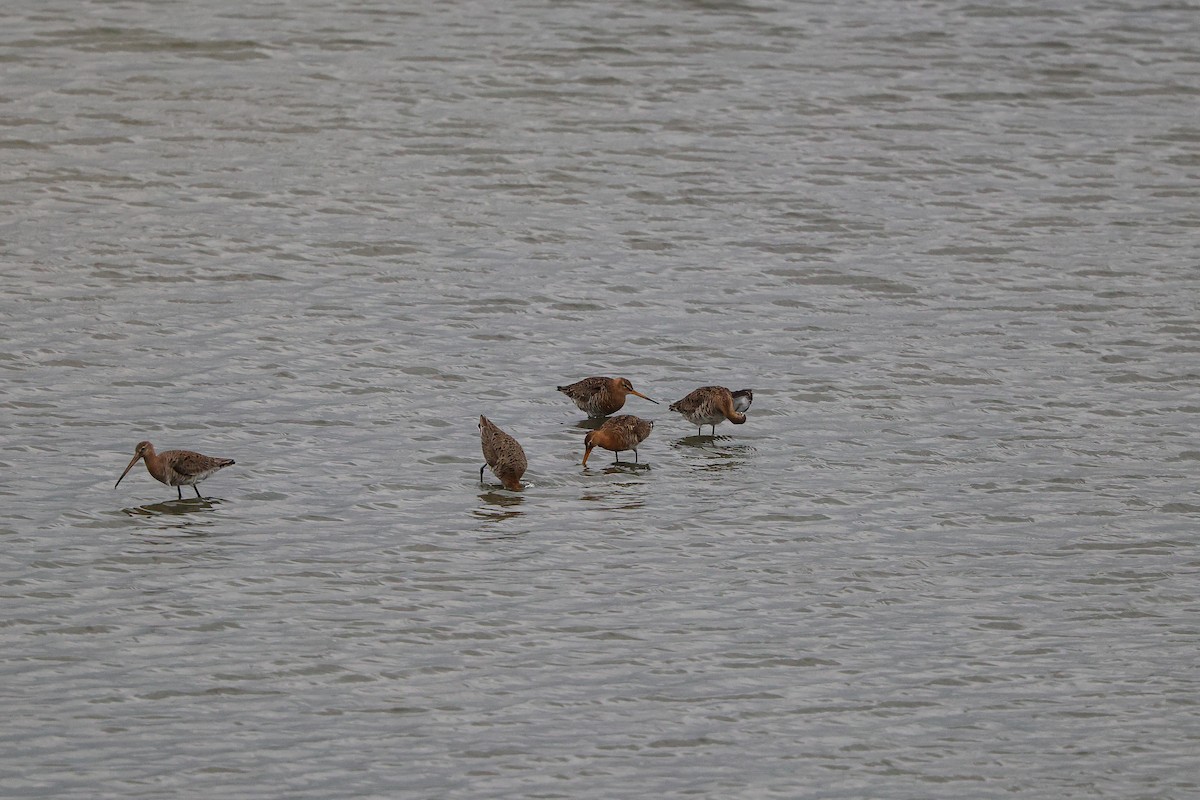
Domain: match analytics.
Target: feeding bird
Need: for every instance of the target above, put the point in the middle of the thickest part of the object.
(625, 432)
(176, 468)
(503, 454)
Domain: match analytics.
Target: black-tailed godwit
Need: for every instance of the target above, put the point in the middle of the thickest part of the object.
(711, 405)
(176, 468)
(503, 454)
(625, 432)
(599, 397)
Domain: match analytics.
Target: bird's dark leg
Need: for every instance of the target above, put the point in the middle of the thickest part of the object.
(197, 488)
(700, 431)
(179, 492)
(635, 456)
(481, 469)
(617, 455)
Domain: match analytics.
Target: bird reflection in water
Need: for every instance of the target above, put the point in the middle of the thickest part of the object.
(497, 506)
(177, 508)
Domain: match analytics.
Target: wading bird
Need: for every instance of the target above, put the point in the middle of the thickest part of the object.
(710, 405)
(503, 454)
(176, 468)
(625, 432)
(599, 397)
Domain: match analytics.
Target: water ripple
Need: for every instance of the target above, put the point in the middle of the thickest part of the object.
(951, 252)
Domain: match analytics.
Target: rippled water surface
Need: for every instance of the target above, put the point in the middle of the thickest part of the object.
(952, 246)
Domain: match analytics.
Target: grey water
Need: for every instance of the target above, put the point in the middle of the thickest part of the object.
(952, 246)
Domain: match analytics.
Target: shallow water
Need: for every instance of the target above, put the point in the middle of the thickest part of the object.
(951, 247)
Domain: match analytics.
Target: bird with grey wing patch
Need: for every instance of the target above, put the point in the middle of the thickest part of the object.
(712, 405)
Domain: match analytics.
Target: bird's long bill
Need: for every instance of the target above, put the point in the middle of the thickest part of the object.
(587, 452)
(639, 394)
(126, 472)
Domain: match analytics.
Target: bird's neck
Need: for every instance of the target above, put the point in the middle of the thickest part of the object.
(155, 466)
